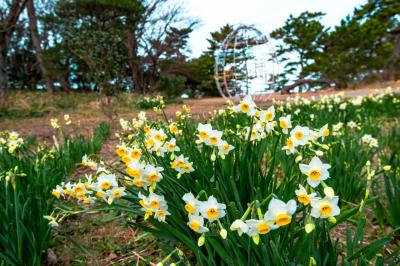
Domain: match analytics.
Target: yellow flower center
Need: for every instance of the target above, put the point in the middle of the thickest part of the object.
(159, 137)
(325, 209)
(171, 146)
(263, 228)
(194, 225)
(325, 132)
(213, 140)
(126, 159)
(212, 213)
(100, 194)
(146, 129)
(225, 147)
(133, 172)
(190, 208)
(86, 201)
(80, 195)
(152, 177)
(186, 168)
(105, 185)
(244, 107)
(56, 194)
(154, 204)
(283, 219)
(315, 174)
(174, 129)
(268, 116)
(203, 134)
(180, 163)
(136, 154)
(78, 189)
(283, 124)
(121, 151)
(161, 213)
(289, 143)
(303, 198)
(138, 182)
(299, 135)
(116, 193)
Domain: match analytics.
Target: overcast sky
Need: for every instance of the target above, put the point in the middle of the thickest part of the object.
(266, 15)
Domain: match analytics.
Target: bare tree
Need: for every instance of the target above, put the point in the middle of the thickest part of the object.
(36, 44)
(7, 27)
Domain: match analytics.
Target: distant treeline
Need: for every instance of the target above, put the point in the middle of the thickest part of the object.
(142, 46)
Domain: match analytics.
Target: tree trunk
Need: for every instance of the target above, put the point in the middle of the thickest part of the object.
(134, 62)
(36, 44)
(7, 27)
(302, 81)
(3, 69)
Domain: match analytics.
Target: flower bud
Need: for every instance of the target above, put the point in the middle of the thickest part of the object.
(329, 192)
(312, 262)
(223, 233)
(201, 241)
(319, 153)
(309, 228)
(332, 220)
(387, 168)
(213, 157)
(298, 159)
(256, 239)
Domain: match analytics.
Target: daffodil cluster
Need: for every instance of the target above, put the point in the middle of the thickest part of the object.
(10, 141)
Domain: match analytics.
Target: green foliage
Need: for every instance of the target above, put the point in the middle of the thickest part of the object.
(26, 180)
(172, 84)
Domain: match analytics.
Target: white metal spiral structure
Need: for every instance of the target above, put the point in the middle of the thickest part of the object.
(245, 64)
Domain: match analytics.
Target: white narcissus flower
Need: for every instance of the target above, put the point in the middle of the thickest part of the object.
(211, 209)
(105, 182)
(153, 174)
(325, 208)
(161, 214)
(280, 212)
(224, 148)
(303, 197)
(115, 193)
(239, 226)
(246, 106)
(192, 204)
(171, 145)
(204, 131)
(268, 115)
(260, 227)
(285, 123)
(316, 171)
(300, 135)
(214, 138)
(290, 147)
(324, 132)
(196, 223)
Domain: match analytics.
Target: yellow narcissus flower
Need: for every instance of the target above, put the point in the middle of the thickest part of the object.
(316, 171)
(135, 169)
(325, 208)
(196, 223)
(303, 197)
(285, 123)
(121, 151)
(280, 212)
(173, 128)
(211, 209)
(136, 154)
